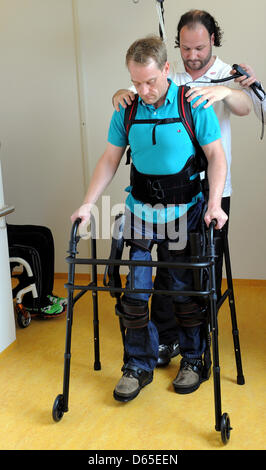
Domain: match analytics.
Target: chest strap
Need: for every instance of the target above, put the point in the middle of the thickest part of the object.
(156, 123)
(166, 189)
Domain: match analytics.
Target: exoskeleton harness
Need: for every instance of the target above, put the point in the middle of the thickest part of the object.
(176, 188)
(153, 189)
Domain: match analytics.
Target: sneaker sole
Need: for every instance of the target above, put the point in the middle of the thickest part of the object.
(163, 364)
(46, 316)
(126, 398)
(186, 390)
(193, 388)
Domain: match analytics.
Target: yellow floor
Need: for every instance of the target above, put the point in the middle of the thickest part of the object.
(158, 419)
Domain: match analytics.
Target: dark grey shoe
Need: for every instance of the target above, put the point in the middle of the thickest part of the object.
(189, 376)
(131, 382)
(166, 352)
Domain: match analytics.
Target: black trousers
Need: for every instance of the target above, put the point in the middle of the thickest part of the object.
(162, 313)
(41, 239)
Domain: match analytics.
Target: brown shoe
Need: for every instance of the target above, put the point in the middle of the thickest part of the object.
(131, 382)
(188, 378)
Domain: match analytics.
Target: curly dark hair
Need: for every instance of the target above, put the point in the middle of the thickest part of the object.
(200, 16)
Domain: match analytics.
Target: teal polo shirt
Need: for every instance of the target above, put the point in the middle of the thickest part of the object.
(170, 153)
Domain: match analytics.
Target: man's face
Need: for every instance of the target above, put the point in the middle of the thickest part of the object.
(150, 82)
(195, 47)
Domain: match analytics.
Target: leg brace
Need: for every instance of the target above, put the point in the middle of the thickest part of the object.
(133, 313)
(190, 314)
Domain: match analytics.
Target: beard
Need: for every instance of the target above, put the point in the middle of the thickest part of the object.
(199, 63)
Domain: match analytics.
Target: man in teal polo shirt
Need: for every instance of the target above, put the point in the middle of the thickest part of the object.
(161, 152)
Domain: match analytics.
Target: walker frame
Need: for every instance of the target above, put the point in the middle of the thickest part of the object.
(222, 420)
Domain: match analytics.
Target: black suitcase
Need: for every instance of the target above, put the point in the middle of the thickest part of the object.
(35, 244)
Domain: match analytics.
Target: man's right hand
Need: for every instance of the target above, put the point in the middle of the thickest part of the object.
(123, 97)
(83, 213)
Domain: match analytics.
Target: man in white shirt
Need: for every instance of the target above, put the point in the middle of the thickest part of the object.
(197, 33)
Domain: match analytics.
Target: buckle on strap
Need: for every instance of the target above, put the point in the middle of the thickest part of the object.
(155, 189)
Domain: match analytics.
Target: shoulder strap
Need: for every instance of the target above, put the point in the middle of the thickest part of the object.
(185, 113)
(187, 120)
(130, 113)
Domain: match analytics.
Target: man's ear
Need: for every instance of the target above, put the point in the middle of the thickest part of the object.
(166, 68)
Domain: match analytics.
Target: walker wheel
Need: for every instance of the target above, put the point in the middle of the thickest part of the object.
(58, 408)
(225, 428)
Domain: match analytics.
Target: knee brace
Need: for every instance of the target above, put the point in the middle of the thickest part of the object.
(143, 243)
(134, 313)
(190, 314)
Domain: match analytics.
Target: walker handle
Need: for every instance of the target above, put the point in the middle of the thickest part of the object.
(213, 223)
(75, 228)
(74, 238)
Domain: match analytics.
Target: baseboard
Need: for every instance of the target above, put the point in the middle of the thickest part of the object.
(236, 281)
(249, 282)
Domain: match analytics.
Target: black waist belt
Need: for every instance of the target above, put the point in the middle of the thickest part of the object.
(166, 189)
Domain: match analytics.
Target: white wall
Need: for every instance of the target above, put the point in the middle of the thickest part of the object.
(39, 116)
(45, 134)
(7, 319)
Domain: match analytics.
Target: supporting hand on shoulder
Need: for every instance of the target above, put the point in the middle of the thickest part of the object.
(123, 97)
